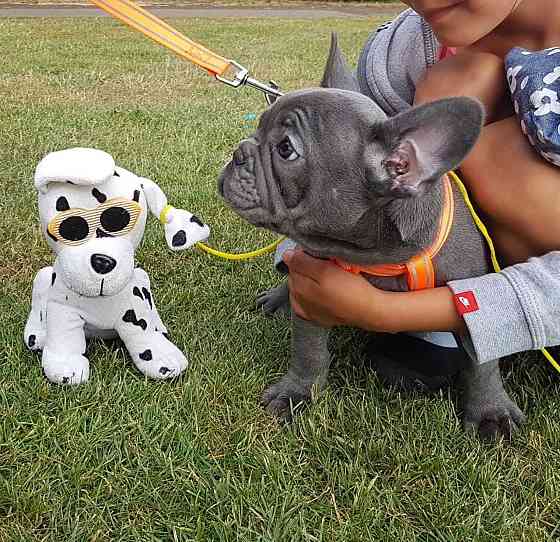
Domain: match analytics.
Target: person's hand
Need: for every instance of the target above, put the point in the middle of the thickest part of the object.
(327, 295)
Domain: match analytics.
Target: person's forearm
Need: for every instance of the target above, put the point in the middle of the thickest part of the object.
(423, 310)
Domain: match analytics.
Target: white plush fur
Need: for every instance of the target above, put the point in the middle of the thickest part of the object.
(71, 300)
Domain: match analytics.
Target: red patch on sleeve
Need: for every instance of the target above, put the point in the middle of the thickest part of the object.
(465, 302)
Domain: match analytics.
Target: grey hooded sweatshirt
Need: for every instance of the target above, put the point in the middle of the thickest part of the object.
(519, 307)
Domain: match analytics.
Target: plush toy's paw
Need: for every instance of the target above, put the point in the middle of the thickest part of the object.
(35, 333)
(490, 422)
(65, 369)
(158, 358)
(183, 229)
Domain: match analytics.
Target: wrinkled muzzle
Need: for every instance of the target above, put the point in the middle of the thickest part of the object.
(101, 267)
(238, 183)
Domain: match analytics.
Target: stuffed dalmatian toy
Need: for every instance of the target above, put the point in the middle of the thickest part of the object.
(93, 215)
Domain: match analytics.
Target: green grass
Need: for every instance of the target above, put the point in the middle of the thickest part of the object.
(122, 458)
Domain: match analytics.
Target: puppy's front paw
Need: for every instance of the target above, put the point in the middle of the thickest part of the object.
(70, 369)
(275, 302)
(493, 421)
(285, 398)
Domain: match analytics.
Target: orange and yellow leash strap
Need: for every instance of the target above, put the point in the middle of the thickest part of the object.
(226, 71)
(153, 27)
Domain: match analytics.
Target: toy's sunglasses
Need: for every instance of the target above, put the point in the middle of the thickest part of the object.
(116, 216)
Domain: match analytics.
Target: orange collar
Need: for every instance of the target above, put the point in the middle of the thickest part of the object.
(419, 270)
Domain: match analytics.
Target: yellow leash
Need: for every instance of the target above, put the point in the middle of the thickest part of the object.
(484, 231)
(241, 255)
(226, 255)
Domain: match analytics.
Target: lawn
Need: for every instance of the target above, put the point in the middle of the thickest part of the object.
(122, 458)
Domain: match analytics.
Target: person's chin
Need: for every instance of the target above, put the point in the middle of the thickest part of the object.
(451, 36)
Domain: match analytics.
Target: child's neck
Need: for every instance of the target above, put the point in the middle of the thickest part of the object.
(534, 24)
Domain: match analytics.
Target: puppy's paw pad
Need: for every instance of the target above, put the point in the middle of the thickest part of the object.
(35, 336)
(495, 422)
(274, 302)
(35, 342)
(184, 229)
(284, 399)
(179, 239)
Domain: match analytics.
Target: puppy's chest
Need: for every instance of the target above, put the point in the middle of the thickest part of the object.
(463, 255)
(465, 252)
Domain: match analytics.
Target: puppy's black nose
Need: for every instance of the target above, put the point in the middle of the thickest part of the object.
(102, 264)
(239, 158)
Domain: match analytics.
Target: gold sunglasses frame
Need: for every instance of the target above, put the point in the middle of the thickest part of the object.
(93, 219)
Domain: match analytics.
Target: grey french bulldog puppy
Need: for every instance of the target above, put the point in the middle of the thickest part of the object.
(327, 168)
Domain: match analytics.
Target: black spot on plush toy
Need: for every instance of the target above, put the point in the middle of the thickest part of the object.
(93, 216)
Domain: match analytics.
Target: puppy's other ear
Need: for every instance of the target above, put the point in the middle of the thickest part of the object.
(427, 141)
(337, 74)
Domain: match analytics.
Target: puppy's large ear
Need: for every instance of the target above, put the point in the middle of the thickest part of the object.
(337, 74)
(427, 141)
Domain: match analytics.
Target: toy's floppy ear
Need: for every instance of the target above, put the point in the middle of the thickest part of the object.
(80, 166)
(182, 229)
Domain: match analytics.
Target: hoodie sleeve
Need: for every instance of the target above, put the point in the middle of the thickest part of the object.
(517, 309)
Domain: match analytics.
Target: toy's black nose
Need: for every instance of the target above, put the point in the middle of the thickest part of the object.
(99, 233)
(102, 264)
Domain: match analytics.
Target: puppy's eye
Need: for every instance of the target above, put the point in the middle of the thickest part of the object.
(286, 149)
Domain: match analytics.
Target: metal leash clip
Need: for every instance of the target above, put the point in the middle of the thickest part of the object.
(241, 77)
